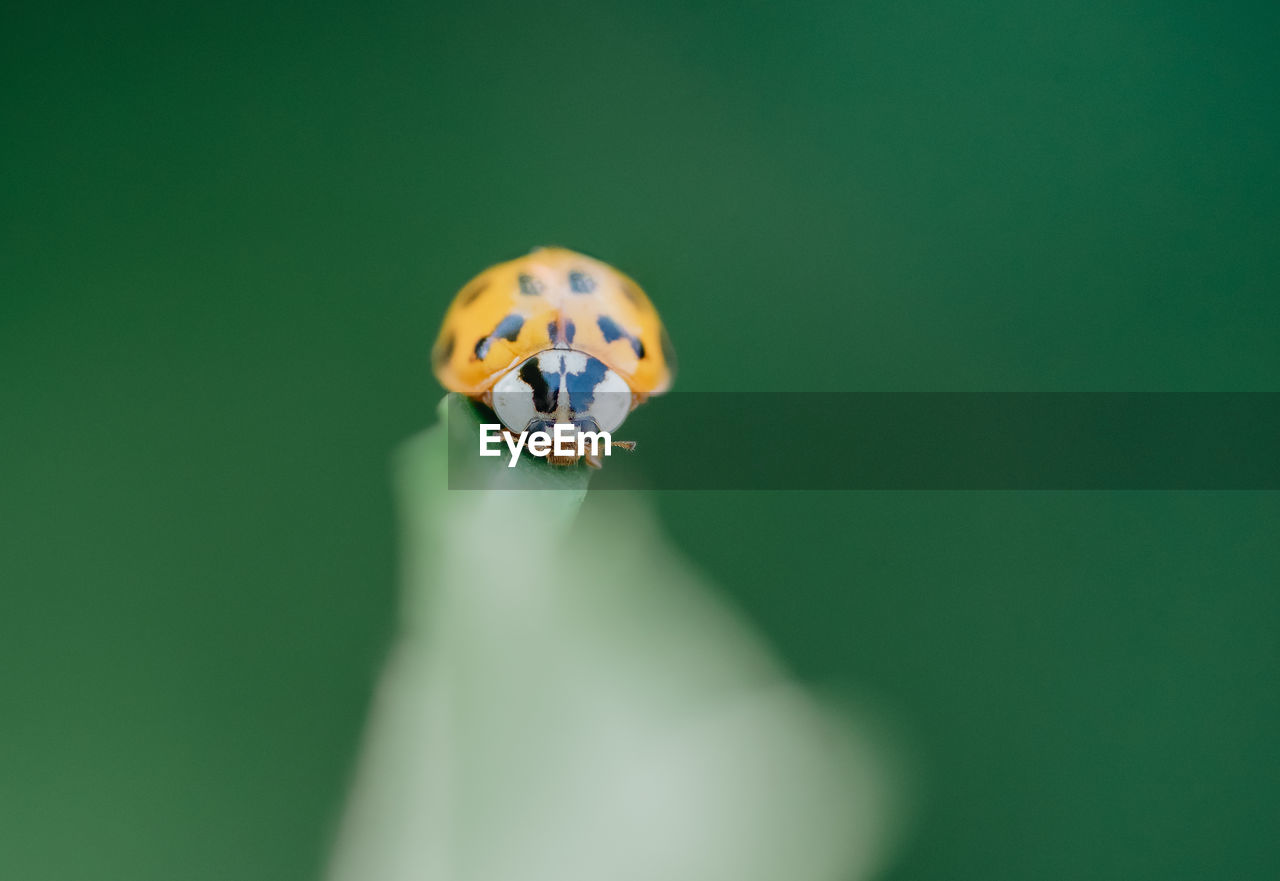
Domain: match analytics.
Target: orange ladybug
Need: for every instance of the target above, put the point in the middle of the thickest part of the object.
(554, 337)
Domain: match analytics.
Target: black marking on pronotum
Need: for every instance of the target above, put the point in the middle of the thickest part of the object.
(444, 349)
(545, 395)
(469, 295)
(612, 332)
(631, 293)
(530, 286)
(508, 329)
(581, 283)
(582, 385)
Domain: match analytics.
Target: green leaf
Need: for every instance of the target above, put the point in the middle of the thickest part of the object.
(568, 701)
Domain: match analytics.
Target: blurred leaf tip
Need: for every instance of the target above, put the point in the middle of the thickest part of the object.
(568, 701)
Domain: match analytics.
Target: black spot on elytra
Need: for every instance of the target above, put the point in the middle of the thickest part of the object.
(470, 294)
(559, 338)
(529, 286)
(545, 395)
(582, 385)
(508, 329)
(668, 351)
(444, 349)
(632, 293)
(581, 283)
(612, 332)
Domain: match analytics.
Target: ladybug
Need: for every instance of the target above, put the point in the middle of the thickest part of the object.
(554, 337)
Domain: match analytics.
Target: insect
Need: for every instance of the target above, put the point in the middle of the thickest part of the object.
(554, 337)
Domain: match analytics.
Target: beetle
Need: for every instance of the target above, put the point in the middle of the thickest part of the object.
(555, 337)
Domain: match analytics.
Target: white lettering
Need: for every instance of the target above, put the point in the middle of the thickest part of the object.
(564, 442)
(539, 443)
(595, 437)
(490, 433)
(564, 433)
(514, 444)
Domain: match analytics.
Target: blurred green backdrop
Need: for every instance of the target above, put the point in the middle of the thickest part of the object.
(229, 233)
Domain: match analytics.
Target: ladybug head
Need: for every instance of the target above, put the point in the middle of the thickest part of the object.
(564, 386)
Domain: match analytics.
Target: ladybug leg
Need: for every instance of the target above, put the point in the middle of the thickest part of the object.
(593, 458)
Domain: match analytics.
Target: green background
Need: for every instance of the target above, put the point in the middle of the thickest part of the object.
(228, 237)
